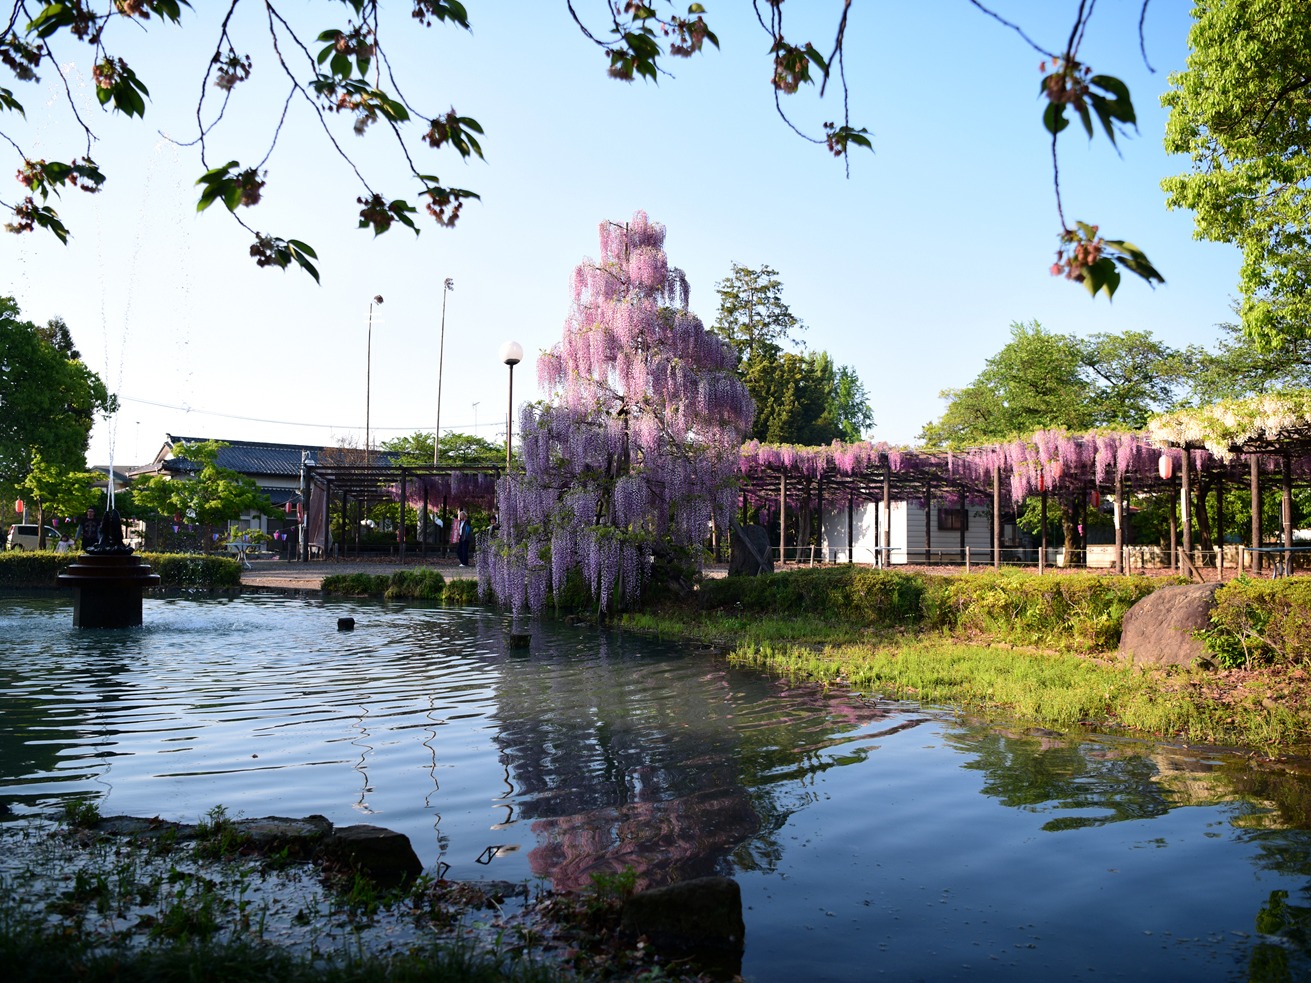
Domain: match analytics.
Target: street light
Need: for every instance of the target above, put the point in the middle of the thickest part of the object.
(441, 354)
(368, 378)
(511, 355)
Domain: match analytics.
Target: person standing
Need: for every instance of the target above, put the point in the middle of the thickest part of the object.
(465, 533)
(88, 530)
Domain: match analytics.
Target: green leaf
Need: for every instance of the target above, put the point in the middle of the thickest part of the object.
(696, 8)
(53, 18)
(299, 252)
(1102, 275)
(1103, 111)
(1053, 117)
(7, 101)
(1086, 117)
(816, 57)
(48, 219)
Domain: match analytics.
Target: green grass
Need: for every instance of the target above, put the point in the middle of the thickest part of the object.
(1054, 690)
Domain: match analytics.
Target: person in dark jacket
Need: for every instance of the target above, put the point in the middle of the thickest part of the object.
(464, 533)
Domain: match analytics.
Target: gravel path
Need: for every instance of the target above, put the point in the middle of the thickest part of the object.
(281, 575)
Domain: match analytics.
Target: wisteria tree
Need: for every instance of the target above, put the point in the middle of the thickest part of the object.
(634, 452)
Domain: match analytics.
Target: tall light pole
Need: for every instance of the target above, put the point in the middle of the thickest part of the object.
(441, 354)
(368, 379)
(511, 355)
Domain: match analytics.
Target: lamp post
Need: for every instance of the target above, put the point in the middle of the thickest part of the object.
(511, 355)
(441, 354)
(368, 379)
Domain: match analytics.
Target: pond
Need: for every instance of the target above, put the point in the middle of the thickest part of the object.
(870, 838)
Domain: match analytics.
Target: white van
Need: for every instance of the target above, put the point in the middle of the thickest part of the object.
(23, 536)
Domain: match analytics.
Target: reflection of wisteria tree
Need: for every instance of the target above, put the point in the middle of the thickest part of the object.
(637, 449)
(674, 769)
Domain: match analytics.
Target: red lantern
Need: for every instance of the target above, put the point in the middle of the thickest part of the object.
(1042, 482)
(288, 510)
(1165, 466)
(18, 505)
(1096, 498)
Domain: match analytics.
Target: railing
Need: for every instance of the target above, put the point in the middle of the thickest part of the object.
(1283, 560)
(1202, 565)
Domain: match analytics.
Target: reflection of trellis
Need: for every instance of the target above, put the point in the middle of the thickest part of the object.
(426, 488)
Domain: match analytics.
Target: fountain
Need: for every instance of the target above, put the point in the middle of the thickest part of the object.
(107, 580)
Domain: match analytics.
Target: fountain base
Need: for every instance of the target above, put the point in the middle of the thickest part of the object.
(107, 589)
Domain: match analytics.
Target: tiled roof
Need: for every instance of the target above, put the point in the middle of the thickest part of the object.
(250, 458)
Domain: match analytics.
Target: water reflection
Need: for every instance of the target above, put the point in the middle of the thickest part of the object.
(856, 827)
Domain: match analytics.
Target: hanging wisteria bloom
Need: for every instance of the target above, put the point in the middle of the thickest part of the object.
(634, 452)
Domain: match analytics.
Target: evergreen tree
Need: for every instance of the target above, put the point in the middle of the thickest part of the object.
(800, 397)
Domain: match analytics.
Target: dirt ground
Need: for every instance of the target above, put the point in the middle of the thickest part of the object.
(294, 575)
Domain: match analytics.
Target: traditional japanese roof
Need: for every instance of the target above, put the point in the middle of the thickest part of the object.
(251, 458)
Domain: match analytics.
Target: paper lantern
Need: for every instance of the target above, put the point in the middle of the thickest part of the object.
(175, 529)
(1165, 466)
(1096, 498)
(18, 505)
(288, 507)
(1042, 482)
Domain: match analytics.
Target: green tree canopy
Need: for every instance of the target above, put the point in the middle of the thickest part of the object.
(48, 400)
(1239, 111)
(457, 449)
(801, 397)
(1240, 367)
(57, 491)
(1041, 380)
(209, 495)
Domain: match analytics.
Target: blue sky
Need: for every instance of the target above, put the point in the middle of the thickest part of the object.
(911, 270)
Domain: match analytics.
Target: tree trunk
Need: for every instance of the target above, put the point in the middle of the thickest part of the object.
(1068, 530)
(1203, 518)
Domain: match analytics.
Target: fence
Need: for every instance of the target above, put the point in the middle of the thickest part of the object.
(1214, 564)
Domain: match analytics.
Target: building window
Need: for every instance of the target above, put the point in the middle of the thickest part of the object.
(953, 519)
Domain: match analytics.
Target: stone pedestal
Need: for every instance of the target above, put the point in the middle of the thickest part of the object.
(107, 589)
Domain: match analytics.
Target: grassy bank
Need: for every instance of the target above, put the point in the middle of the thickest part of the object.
(1037, 650)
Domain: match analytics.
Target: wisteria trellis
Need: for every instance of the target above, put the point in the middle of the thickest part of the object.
(635, 450)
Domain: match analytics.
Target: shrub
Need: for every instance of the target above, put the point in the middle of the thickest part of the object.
(423, 583)
(203, 571)
(1261, 622)
(1070, 612)
(461, 591)
(31, 570)
(356, 584)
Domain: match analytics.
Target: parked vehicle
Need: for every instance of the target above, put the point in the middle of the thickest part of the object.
(23, 536)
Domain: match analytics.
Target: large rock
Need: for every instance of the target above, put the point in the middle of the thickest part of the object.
(1158, 630)
(700, 920)
(384, 856)
(749, 551)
